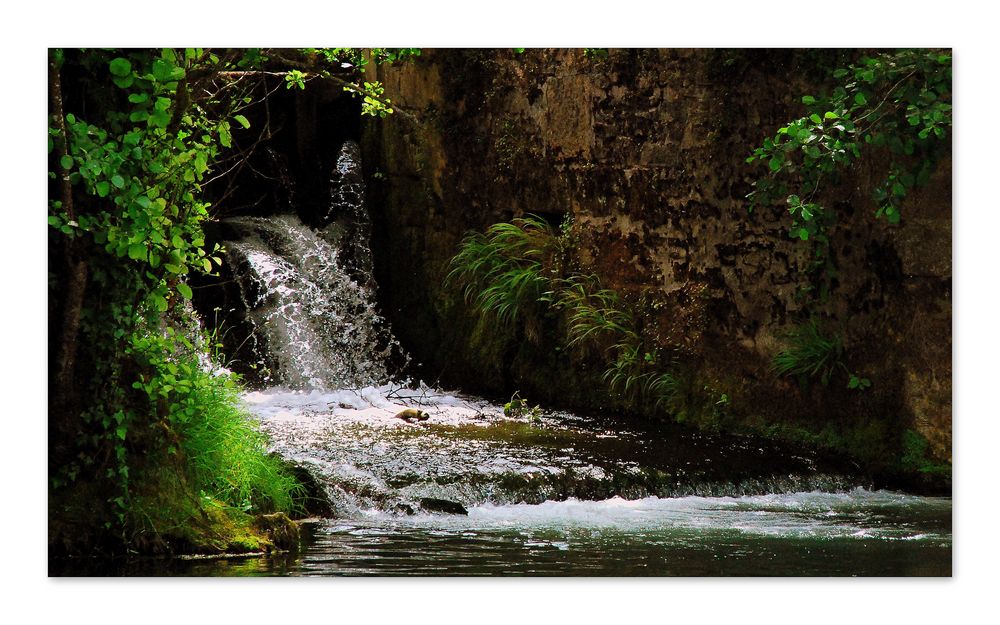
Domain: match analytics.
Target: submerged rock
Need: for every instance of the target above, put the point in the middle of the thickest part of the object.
(312, 500)
(403, 508)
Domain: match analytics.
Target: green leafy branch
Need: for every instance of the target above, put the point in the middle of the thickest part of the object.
(899, 101)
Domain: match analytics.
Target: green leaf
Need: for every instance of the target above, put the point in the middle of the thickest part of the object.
(120, 431)
(159, 119)
(775, 163)
(860, 99)
(103, 188)
(242, 120)
(816, 118)
(137, 251)
(830, 115)
(808, 100)
(224, 137)
(159, 302)
(184, 290)
(138, 98)
(66, 161)
(120, 67)
(162, 70)
(118, 181)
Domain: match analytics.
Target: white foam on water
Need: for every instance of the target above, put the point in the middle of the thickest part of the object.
(372, 405)
(792, 515)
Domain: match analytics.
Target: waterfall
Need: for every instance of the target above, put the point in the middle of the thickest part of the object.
(309, 293)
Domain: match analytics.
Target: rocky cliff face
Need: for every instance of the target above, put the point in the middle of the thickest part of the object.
(646, 149)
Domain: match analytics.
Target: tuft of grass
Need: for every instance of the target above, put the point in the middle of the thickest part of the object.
(638, 377)
(503, 270)
(206, 453)
(810, 353)
(227, 454)
(514, 272)
(592, 312)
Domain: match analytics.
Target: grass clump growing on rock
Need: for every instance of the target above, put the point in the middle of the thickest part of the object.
(191, 480)
(811, 353)
(517, 274)
(503, 271)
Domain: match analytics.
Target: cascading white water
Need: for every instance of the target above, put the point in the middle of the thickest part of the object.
(319, 327)
(309, 294)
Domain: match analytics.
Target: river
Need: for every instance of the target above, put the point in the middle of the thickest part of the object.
(565, 495)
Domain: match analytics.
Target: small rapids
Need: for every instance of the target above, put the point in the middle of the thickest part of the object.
(567, 495)
(470, 453)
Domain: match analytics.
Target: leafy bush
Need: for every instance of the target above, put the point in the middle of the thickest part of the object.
(518, 408)
(899, 100)
(137, 426)
(892, 108)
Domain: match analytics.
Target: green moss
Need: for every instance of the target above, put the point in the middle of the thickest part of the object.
(222, 530)
(916, 456)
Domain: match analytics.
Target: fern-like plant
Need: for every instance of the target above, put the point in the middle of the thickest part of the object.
(515, 268)
(503, 270)
(592, 311)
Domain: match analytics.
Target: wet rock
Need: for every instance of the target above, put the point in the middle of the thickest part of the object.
(429, 504)
(403, 508)
(313, 500)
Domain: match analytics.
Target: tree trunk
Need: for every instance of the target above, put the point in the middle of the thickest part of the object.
(62, 391)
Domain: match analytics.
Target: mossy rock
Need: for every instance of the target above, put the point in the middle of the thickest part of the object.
(219, 529)
(282, 532)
